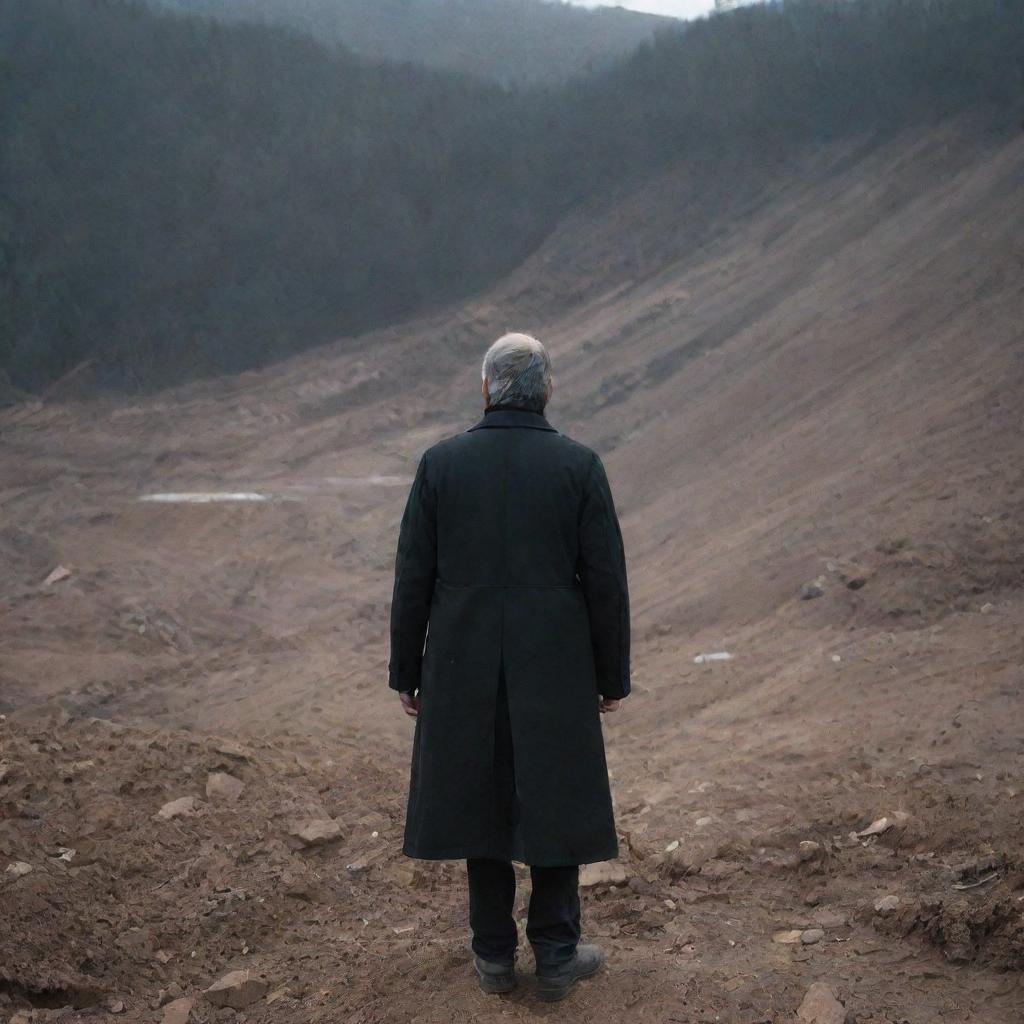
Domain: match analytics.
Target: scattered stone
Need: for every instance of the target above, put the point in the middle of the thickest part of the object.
(58, 575)
(987, 607)
(876, 828)
(703, 822)
(829, 919)
(316, 831)
(820, 1006)
(609, 872)
(809, 591)
(717, 870)
(18, 869)
(115, 1005)
(809, 849)
(237, 989)
(674, 845)
(221, 786)
(177, 1012)
(812, 936)
(229, 748)
(278, 993)
(788, 937)
(180, 808)
(887, 904)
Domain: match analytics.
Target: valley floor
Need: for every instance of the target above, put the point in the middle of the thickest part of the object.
(809, 397)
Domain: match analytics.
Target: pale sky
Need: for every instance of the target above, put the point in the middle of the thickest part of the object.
(676, 8)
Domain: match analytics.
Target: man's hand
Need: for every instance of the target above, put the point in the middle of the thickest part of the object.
(411, 703)
(608, 704)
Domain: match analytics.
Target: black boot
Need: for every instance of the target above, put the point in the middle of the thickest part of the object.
(552, 986)
(494, 978)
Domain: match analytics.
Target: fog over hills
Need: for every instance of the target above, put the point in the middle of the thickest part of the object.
(182, 197)
(508, 40)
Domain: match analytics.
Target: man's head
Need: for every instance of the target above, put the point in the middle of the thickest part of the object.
(517, 372)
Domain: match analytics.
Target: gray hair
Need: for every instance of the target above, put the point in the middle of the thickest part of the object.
(517, 369)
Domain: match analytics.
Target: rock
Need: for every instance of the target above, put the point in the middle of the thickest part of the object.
(58, 575)
(18, 868)
(609, 872)
(809, 591)
(221, 786)
(887, 904)
(177, 1012)
(826, 918)
(717, 870)
(809, 849)
(876, 828)
(812, 936)
(115, 1005)
(180, 808)
(316, 831)
(238, 989)
(788, 937)
(229, 748)
(820, 1006)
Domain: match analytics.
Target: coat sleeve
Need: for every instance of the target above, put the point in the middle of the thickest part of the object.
(415, 572)
(602, 572)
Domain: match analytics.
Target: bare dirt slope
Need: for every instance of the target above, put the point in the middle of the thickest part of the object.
(809, 400)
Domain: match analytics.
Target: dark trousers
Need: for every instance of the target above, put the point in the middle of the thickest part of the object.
(553, 921)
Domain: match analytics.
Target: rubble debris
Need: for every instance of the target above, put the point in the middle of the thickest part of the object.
(316, 831)
(182, 807)
(177, 1011)
(809, 591)
(237, 989)
(788, 936)
(609, 872)
(812, 936)
(229, 748)
(876, 828)
(820, 1006)
(18, 869)
(706, 659)
(887, 904)
(58, 575)
(222, 786)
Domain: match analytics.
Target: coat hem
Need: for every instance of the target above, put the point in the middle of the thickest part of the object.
(484, 853)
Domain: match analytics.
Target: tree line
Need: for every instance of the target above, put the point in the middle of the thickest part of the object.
(181, 197)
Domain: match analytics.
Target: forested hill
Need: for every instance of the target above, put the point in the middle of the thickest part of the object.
(508, 40)
(180, 197)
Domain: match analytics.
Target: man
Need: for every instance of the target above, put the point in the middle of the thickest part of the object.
(510, 551)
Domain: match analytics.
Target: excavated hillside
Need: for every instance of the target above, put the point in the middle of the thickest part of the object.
(809, 395)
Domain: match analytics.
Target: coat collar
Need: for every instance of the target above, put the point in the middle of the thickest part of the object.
(513, 418)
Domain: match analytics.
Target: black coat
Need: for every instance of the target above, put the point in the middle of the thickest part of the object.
(510, 549)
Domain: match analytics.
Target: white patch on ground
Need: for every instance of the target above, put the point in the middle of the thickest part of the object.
(203, 497)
